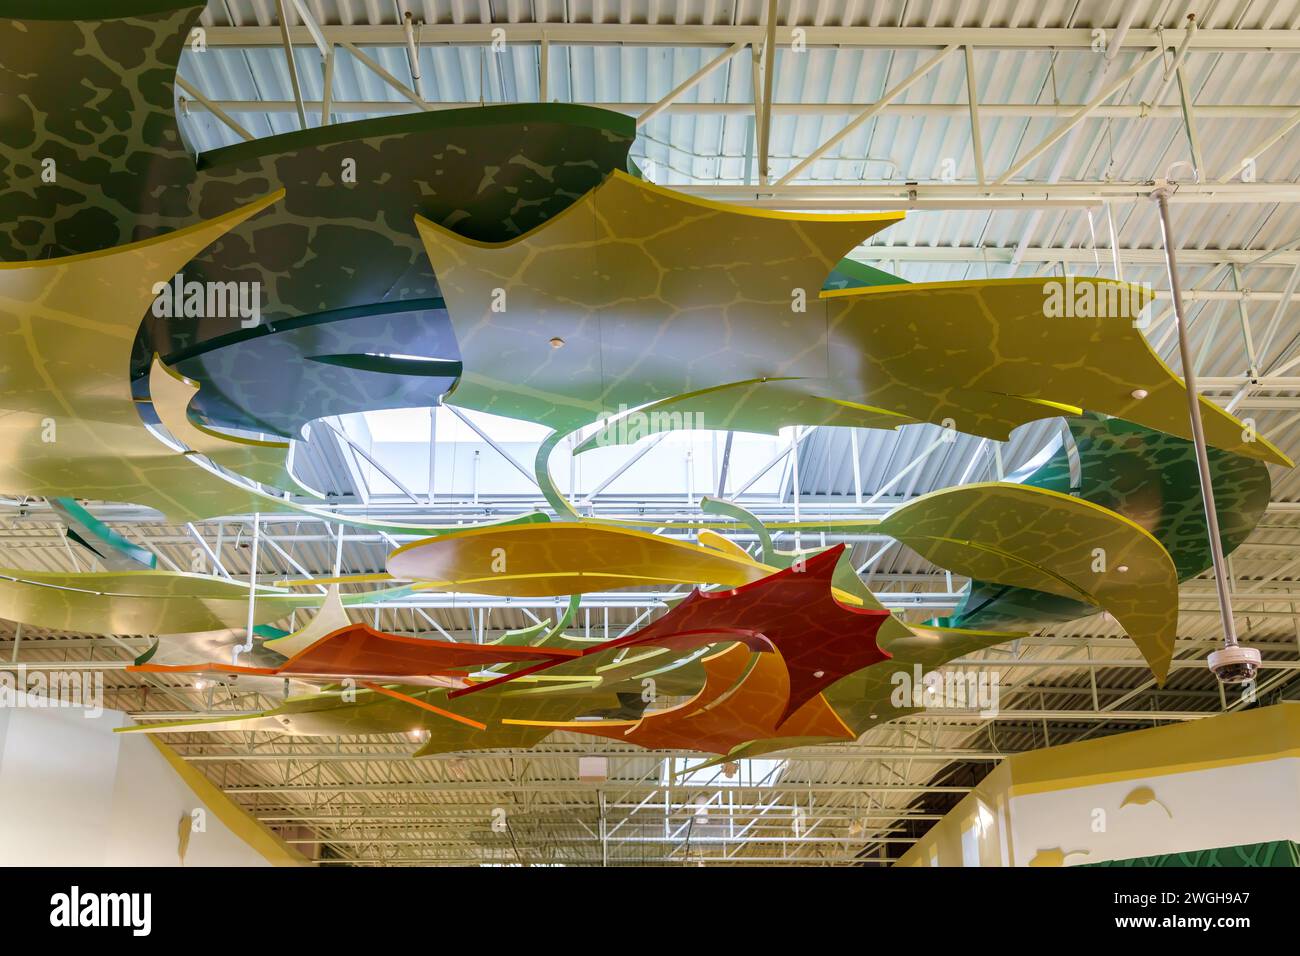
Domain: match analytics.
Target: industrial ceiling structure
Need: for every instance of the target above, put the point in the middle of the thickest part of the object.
(1022, 141)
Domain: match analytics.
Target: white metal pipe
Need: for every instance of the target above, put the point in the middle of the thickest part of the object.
(1198, 429)
(252, 593)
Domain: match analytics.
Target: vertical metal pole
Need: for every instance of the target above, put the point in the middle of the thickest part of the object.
(573, 469)
(973, 102)
(690, 482)
(857, 466)
(1114, 244)
(328, 96)
(713, 472)
(604, 831)
(474, 487)
(755, 69)
(544, 70)
(252, 592)
(794, 487)
(433, 449)
(1161, 197)
(726, 465)
(769, 69)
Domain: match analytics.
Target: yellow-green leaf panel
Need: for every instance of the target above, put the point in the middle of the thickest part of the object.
(987, 355)
(68, 422)
(170, 393)
(648, 293)
(136, 602)
(563, 558)
(1035, 538)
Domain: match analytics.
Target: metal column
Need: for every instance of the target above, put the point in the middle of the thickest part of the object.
(1161, 196)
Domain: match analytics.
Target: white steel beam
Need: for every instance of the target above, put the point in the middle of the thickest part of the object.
(387, 77)
(866, 196)
(1079, 116)
(1250, 155)
(888, 97)
(212, 107)
(874, 37)
(973, 103)
(688, 84)
(746, 108)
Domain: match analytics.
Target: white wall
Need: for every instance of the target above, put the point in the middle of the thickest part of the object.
(1228, 780)
(73, 793)
(1232, 805)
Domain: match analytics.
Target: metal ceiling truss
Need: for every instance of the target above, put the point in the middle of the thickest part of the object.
(1006, 190)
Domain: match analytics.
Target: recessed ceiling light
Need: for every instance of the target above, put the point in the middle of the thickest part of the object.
(1139, 393)
(557, 343)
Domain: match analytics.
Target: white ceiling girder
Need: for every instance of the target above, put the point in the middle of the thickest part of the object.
(619, 34)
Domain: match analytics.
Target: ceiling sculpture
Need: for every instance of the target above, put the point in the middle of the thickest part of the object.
(173, 325)
(705, 308)
(323, 334)
(114, 552)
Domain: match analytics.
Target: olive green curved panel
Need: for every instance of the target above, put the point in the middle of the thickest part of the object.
(70, 426)
(1043, 540)
(760, 406)
(721, 506)
(636, 296)
(563, 558)
(136, 602)
(1151, 477)
(987, 355)
(255, 459)
(329, 714)
(979, 356)
(637, 293)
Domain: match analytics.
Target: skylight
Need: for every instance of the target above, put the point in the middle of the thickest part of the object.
(464, 465)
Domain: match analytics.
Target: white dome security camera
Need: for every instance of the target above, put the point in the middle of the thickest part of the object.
(1234, 664)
